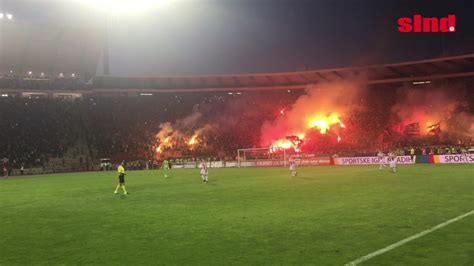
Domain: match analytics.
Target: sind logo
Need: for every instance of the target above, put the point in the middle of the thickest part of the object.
(421, 24)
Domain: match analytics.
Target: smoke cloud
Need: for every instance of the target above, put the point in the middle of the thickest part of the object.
(435, 105)
(362, 115)
(327, 99)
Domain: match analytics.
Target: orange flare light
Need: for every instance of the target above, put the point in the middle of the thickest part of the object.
(163, 143)
(193, 140)
(281, 144)
(324, 123)
(287, 143)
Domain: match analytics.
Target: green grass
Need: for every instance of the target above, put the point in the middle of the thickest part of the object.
(325, 216)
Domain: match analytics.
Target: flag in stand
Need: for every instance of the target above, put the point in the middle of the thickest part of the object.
(412, 129)
(435, 128)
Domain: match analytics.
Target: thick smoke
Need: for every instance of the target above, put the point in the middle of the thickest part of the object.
(249, 120)
(190, 121)
(213, 123)
(432, 106)
(182, 130)
(340, 98)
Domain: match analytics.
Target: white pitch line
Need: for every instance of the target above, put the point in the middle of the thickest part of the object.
(408, 239)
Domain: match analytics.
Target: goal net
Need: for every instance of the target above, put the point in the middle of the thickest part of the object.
(260, 157)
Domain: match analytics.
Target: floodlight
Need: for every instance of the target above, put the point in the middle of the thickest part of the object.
(9, 16)
(1, 15)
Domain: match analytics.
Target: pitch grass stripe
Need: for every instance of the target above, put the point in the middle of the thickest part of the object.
(408, 239)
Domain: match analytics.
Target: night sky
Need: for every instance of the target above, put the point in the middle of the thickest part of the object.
(249, 36)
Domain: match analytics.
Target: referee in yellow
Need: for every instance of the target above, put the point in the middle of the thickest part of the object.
(121, 175)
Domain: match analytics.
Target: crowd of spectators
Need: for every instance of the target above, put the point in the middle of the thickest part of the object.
(33, 130)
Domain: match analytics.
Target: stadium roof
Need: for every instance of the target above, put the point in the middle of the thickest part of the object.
(424, 70)
(49, 49)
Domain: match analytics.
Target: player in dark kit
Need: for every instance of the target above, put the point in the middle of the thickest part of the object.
(166, 167)
(121, 174)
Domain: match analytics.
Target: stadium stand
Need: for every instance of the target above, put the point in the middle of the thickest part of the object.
(57, 116)
(71, 135)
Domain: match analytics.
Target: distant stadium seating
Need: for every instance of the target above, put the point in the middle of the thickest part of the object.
(70, 135)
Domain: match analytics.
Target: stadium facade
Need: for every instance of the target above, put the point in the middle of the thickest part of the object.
(414, 71)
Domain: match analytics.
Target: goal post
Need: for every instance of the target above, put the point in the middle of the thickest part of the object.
(252, 156)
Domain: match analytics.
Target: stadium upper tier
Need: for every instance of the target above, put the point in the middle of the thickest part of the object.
(424, 70)
(83, 59)
(39, 50)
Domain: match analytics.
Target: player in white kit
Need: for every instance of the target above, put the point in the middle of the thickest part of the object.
(204, 171)
(393, 161)
(293, 168)
(381, 157)
(464, 154)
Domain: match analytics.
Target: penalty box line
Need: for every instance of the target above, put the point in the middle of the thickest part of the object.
(408, 239)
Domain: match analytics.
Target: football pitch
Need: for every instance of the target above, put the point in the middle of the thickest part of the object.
(324, 216)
